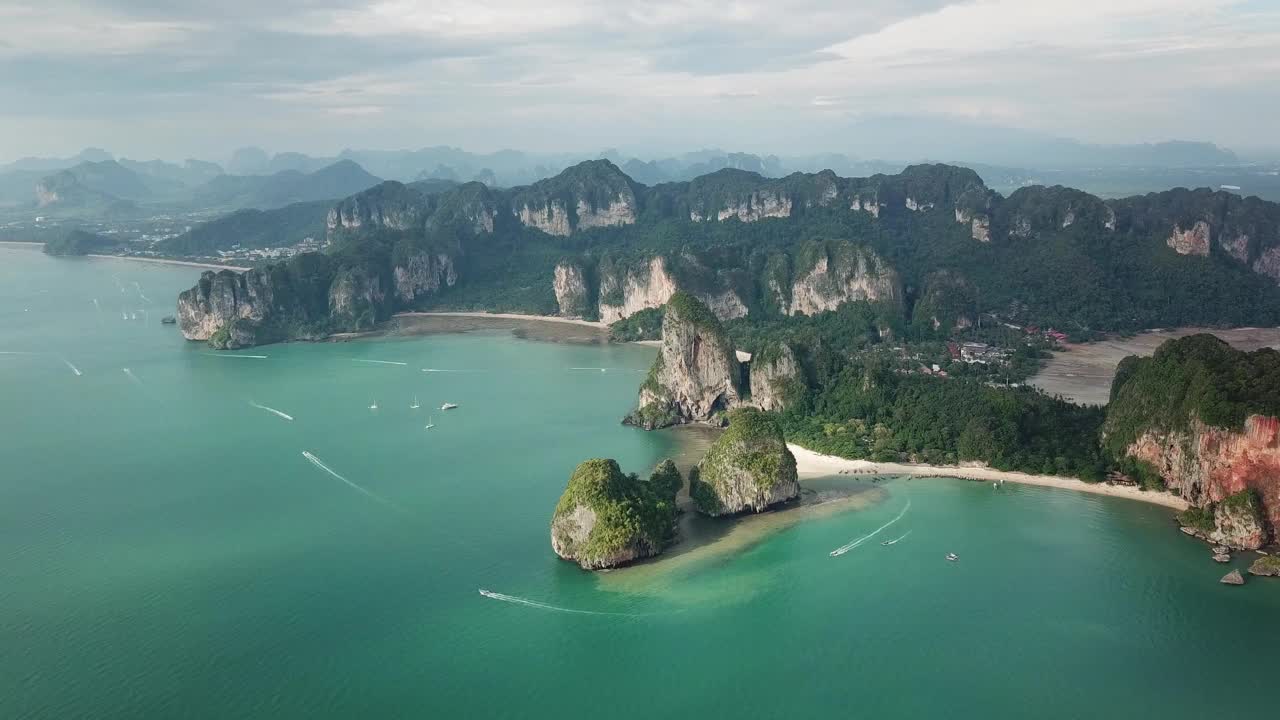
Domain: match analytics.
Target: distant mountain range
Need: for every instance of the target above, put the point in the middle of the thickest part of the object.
(92, 184)
(113, 188)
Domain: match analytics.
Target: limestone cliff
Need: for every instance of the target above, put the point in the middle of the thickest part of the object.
(1192, 241)
(1203, 416)
(840, 272)
(774, 373)
(696, 375)
(391, 205)
(307, 298)
(226, 304)
(423, 273)
(1208, 465)
(355, 298)
(748, 468)
(592, 194)
(624, 292)
(570, 285)
(605, 518)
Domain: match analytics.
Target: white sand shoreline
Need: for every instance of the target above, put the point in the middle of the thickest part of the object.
(812, 464)
(509, 316)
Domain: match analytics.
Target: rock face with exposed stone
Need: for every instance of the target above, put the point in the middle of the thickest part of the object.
(606, 518)
(1233, 578)
(748, 469)
(696, 376)
(1266, 566)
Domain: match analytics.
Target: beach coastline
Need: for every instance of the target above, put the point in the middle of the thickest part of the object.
(163, 261)
(509, 316)
(812, 464)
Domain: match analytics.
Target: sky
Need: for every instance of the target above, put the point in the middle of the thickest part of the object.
(172, 79)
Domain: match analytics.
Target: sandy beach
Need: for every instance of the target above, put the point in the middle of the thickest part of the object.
(811, 464)
(162, 261)
(509, 316)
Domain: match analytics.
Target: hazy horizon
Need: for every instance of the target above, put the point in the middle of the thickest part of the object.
(577, 76)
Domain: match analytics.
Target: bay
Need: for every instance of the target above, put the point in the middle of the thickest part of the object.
(167, 549)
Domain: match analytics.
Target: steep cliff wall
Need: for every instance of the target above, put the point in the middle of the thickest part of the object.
(551, 217)
(391, 205)
(1204, 416)
(570, 285)
(423, 273)
(696, 375)
(1207, 465)
(773, 372)
(837, 273)
(592, 194)
(222, 298)
(624, 292)
(1192, 241)
(356, 298)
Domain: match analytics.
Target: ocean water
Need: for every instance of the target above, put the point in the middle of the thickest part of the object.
(170, 547)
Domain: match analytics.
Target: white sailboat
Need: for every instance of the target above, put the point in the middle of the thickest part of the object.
(429, 424)
(415, 404)
(373, 405)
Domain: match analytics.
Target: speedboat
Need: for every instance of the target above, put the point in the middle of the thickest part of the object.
(448, 406)
(953, 557)
(486, 593)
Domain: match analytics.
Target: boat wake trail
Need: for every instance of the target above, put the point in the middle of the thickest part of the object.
(132, 377)
(379, 362)
(273, 411)
(544, 606)
(228, 355)
(895, 541)
(74, 369)
(855, 543)
(371, 495)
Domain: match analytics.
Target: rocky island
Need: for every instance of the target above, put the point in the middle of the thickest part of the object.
(606, 518)
(747, 469)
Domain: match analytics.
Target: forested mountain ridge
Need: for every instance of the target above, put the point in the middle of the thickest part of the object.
(592, 242)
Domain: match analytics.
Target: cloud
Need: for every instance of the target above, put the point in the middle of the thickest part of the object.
(573, 74)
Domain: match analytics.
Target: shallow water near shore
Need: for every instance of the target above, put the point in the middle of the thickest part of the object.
(168, 551)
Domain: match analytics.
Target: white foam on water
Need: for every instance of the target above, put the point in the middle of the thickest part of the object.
(364, 491)
(895, 541)
(379, 362)
(272, 410)
(229, 355)
(543, 606)
(855, 543)
(132, 377)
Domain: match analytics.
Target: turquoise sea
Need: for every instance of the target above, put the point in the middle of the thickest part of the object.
(168, 551)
